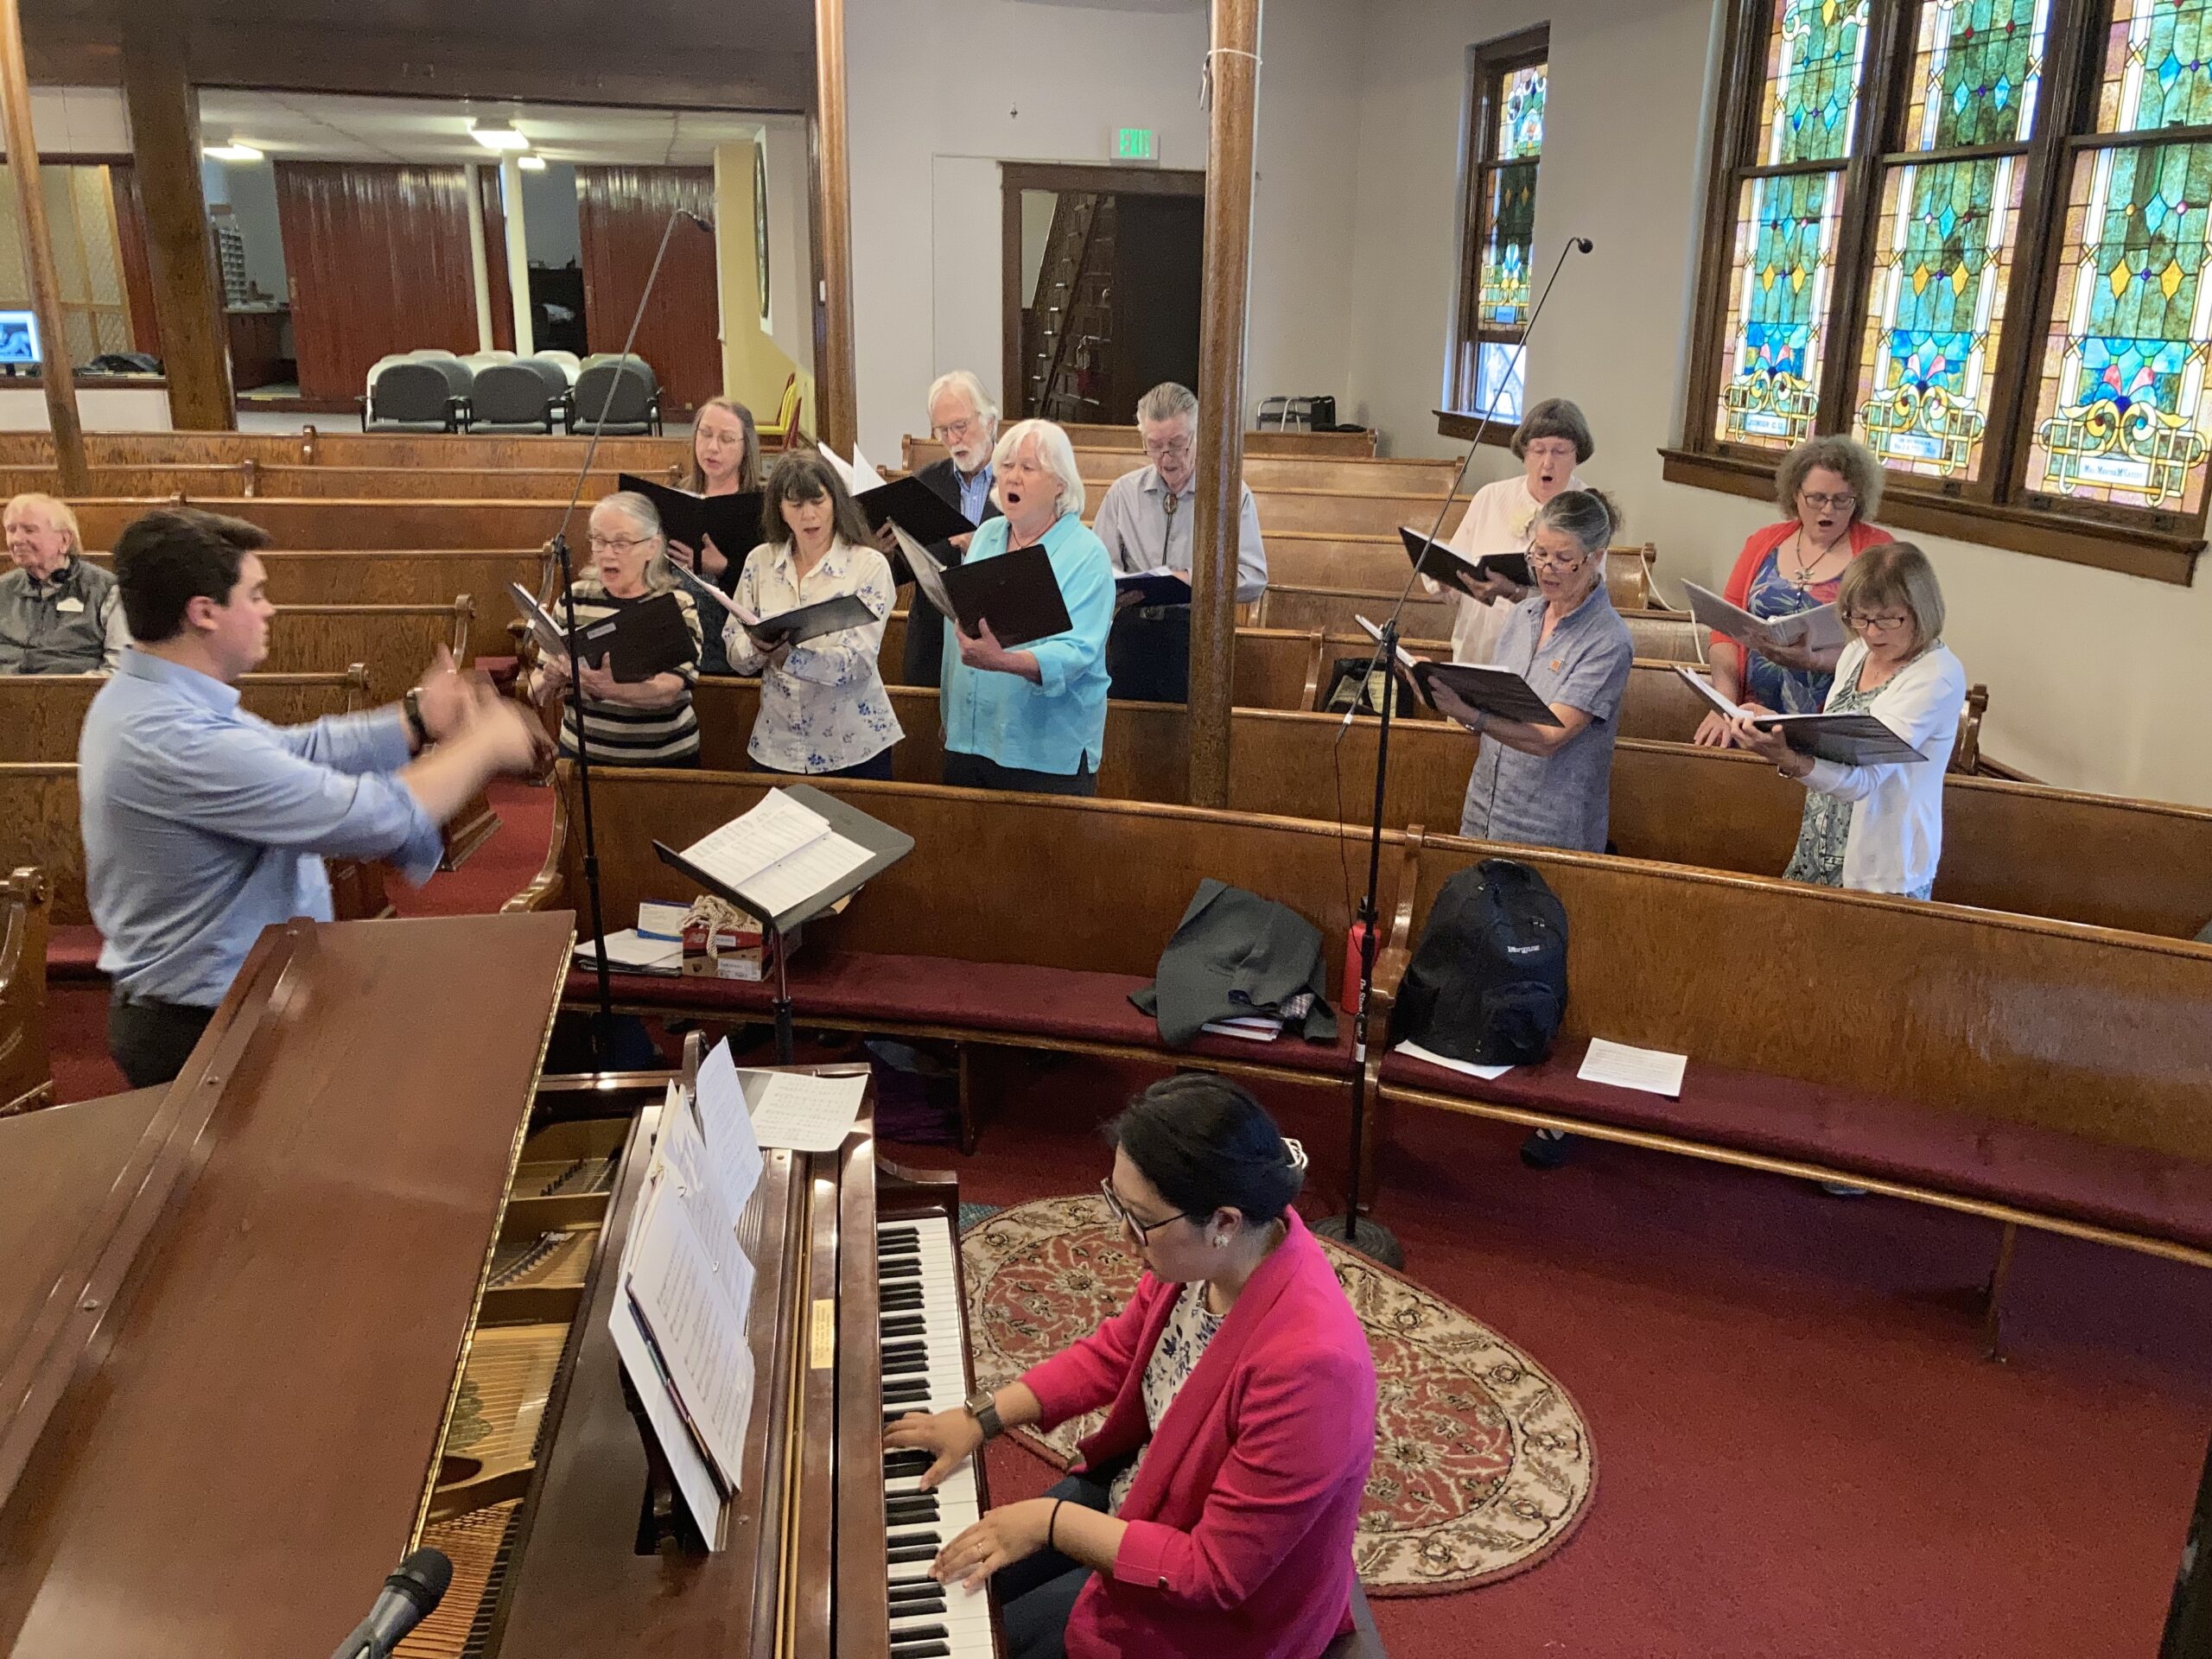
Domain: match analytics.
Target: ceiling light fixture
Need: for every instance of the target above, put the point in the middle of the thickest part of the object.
(230, 150)
(530, 163)
(497, 135)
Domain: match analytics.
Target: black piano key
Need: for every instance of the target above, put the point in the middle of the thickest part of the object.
(920, 1633)
(899, 1464)
(907, 1365)
(909, 1246)
(914, 1552)
(903, 1594)
(915, 1535)
(918, 1512)
(906, 1391)
(917, 1609)
(920, 1650)
(896, 1273)
(904, 1325)
(894, 1352)
(902, 1299)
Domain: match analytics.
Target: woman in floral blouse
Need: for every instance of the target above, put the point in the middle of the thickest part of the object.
(823, 710)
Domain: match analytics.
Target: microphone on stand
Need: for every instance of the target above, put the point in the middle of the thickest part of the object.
(1378, 1241)
(603, 1028)
(409, 1596)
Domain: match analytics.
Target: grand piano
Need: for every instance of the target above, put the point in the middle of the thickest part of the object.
(342, 1288)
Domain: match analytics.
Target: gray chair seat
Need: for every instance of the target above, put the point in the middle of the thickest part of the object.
(615, 400)
(510, 398)
(415, 397)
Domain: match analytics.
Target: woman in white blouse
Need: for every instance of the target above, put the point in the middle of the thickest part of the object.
(823, 710)
(1879, 829)
(1550, 442)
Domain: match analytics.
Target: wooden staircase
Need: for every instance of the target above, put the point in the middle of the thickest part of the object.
(1072, 320)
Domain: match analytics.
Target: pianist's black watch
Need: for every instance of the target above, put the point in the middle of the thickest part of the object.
(985, 1410)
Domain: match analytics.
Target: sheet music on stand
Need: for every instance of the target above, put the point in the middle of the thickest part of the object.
(794, 853)
(681, 1318)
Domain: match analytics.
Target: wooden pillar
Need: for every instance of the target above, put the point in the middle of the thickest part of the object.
(1236, 69)
(835, 386)
(165, 147)
(38, 254)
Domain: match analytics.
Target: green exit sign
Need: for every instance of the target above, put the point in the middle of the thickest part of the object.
(1136, 144)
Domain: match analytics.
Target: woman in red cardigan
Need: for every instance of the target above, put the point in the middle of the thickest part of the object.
(1213, 1513)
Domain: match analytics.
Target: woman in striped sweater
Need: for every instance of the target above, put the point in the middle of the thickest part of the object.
(650, 722)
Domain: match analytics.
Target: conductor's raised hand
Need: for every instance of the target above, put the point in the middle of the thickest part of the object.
(511, 740)
(445, 696)
(952, 1437)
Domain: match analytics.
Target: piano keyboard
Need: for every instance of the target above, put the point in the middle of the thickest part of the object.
(926, 1369)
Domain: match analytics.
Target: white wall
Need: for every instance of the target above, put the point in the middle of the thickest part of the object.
(551, 219)
(252, 189)
(941, 90)
(2096, 681)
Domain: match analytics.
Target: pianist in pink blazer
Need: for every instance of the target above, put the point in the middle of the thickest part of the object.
(1213, 1512)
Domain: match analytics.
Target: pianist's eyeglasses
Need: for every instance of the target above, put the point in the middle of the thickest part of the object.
(1140, 1230)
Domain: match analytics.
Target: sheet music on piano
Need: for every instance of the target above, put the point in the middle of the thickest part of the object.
(686, 1290)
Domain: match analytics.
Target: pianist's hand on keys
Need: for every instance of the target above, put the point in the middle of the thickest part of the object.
(949, 1437)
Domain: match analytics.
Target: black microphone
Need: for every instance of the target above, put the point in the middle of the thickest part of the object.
(1583, 244)
(408, 1597)
(708, 224)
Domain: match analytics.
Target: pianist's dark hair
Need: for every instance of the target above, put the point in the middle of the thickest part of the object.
(166, 559)
(802, 475)
(1207, 1145)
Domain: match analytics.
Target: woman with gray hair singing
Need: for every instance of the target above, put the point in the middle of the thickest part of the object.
(1551, 786)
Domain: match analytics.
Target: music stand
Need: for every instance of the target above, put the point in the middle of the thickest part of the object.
(886, 847)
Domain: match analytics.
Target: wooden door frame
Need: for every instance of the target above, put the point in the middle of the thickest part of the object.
(1014, 177)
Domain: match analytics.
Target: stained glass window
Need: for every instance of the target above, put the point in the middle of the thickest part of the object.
(1510, 221)
(1810, 107)
(1506, 145)
(2157, 66)
(1977, 68)
(1778, 307)
(1521, 113)
(1943, 257)
(2123, 416)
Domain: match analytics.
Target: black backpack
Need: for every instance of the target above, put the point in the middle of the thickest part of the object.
(1488, 982)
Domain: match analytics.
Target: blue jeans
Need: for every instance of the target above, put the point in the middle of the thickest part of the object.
(1037, 1595)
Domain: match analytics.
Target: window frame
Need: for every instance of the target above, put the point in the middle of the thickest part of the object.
(1997, 509)
(1488, 65)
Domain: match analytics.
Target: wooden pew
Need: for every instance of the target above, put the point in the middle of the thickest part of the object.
(1659, 707)
(352, 523)
(41, 714)
(2041, 1073)
(26, 1076)
(2007, 847)
(1358, 445)
(211, 484)
(1012, 972)
(311, 446)
(395, 643)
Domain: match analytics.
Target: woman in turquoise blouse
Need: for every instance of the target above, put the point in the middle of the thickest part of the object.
(1033, 719)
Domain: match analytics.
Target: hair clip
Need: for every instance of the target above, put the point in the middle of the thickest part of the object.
(1297, 1151)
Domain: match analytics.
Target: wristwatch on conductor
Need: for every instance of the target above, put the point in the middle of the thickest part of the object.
(985, 1410)
(411, 705)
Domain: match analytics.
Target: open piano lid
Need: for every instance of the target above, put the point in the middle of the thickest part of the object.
(233, 1310)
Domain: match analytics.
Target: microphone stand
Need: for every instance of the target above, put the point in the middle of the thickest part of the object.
(1368, 1236)
(603, 1022)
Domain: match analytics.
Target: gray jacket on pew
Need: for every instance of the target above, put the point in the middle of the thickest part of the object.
(1236, 955)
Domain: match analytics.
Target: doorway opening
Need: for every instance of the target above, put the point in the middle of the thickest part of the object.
(1104, 274)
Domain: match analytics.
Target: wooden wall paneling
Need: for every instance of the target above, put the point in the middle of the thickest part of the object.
(378, 262)
(138, 266)
(623, 213)
(495, 210)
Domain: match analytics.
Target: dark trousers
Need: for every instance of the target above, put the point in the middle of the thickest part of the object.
(976, 772)
(1148, 654)
(1037, 1595)
(152, 1040)
(925, 647)
(876, 765)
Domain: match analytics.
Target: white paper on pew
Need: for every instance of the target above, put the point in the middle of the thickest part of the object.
(630, 950)
(807, 1113)
(1653, 1070)
(1413, 1050)
(864, 477)
(733, 1149)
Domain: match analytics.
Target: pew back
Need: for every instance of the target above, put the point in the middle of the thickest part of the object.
(38, 825)
(26, 1077)
(1035, 880)
(355, 522)
(41, 714)
(393, 643)
(2044, 1023)
(311, 446)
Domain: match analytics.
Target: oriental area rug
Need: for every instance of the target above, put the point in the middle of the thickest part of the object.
(1483, 1463)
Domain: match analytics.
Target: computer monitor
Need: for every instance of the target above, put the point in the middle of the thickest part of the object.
(18, 337)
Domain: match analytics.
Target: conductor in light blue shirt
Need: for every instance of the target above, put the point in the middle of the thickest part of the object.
(204, 824)
(1033, 719)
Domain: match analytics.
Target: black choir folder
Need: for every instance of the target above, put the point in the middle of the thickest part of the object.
(795, 627)
(1440, 564)
(915, 508)
(1498, 691)
(734, 521)
(644, 637)
(1016, 593)
(1859, 740)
